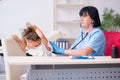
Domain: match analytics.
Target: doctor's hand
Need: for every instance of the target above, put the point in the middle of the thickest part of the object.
(56, 49)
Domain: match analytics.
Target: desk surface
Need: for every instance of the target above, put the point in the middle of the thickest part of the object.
(59, 60)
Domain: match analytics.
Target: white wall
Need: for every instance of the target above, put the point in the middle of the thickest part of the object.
(15, 13)
(102, 4)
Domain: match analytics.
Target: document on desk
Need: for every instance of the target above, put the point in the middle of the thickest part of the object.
(81, 57)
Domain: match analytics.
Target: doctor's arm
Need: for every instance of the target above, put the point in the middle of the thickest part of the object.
(79, 52)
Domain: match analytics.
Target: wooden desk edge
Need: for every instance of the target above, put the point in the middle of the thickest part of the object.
(59, 60)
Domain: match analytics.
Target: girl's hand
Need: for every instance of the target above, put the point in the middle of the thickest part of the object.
(34, 27)
(29, 25)
(38, 31)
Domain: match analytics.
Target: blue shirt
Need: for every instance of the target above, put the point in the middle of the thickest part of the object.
(95, 40)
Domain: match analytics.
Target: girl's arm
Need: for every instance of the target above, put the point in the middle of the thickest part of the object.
(19, 41)
(41, 35)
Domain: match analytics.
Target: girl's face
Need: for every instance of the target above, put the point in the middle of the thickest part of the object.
(86, 20)
(32, 44)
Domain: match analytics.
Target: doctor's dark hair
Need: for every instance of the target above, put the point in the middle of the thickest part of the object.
(93, 13)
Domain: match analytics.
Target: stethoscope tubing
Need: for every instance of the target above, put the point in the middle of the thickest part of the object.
(80, 40)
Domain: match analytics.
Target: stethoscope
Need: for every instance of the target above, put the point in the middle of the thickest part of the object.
(80, 40)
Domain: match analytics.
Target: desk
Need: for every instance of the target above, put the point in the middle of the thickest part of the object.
(14, 64)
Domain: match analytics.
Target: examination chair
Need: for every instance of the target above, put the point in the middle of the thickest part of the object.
(112, 38)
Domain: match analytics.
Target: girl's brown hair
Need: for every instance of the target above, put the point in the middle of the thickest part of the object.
(30, 34)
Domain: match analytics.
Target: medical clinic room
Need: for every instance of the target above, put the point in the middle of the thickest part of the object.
(59, 39)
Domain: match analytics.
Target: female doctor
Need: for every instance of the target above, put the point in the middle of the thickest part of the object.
(90, 40)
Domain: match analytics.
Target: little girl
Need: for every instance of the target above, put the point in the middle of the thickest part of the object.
(34, 41)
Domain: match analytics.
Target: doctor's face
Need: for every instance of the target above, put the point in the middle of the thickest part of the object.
(85, 20)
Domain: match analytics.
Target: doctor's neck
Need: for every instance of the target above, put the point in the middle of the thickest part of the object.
(89, 28)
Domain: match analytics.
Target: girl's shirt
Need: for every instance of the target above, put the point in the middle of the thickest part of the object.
(40, 50)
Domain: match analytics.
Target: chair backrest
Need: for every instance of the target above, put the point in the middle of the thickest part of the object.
(11, 48)
(111, 38)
